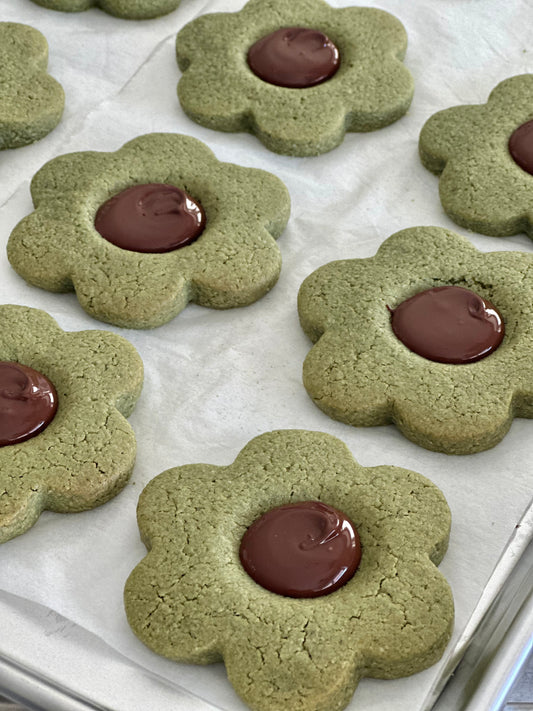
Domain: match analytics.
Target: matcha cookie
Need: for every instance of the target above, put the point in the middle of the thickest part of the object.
(64, 442)
(484, 157)
(296, 74)
(192, 600)
(139, 233)
(31, 101)
(127, 9)
(451, 367)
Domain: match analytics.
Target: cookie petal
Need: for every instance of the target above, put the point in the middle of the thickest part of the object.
(102, 366)
(263, 660)
(21, 504)
(488, 195)
(314, 125)
(83, 458)
(31, 101)
(444, 133)
(405, 628)
(132, 298)
(460, 418)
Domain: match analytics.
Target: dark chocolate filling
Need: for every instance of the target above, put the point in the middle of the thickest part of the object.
(294, 57)
(521, 146)
(448, 324)
(28, 402)
(154, 217)
(307, 549)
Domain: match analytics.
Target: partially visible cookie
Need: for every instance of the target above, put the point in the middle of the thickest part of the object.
(352, 77)
(31, 101)
(483, 154)
(429, 334)
(65, 444)
(105, 223)
(192, 600)
(127, 9)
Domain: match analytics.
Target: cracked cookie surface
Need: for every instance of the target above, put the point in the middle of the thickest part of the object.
(191, 600)
(127, 9)
(371, 89)
(481, 187)
(233, 263)
(31, 101)
(86, 454)
(359, 372)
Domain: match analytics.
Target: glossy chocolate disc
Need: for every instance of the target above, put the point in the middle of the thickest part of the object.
(294, 57)
(306, 549)
(150, 218)
(28, 402)
(521, 146)
(448, 324)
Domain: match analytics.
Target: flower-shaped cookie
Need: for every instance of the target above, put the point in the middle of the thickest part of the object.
(481, 186)
(371, 88)
(359, 372)
(191, 600)
(31, 101)
(127, 9)
(86, 454)
(234, 262)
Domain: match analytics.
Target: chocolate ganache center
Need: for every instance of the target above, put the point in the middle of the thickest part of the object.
(521, 146)
(448, 324)
(294, 57)
(307, 549)
(28, 402)
(154, 217)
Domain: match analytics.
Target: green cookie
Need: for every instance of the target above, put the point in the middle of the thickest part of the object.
(234, 262)
(191, 600)
(371, 88)
(481, 187)
(85, 455)
(359, 372)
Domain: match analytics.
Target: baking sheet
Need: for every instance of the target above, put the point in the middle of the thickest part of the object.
(216, 379)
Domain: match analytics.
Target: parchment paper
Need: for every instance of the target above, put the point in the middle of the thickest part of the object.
(216, 379)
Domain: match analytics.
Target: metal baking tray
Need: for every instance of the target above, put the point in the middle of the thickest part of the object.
(498, 641)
